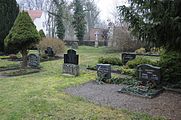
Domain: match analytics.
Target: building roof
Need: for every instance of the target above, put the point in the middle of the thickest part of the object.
(35, 14)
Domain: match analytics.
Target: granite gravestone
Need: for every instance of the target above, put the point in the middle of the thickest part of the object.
(127, 56)
(33, 60)
(49, 51)
(103, 72)
(148, 73)
(71, 61)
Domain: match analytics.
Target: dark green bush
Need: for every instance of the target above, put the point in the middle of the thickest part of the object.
(126, 81)
(171, 67)
(42, 34)
(140, 60)
(127, 71)
(91, 67)
(110, 60)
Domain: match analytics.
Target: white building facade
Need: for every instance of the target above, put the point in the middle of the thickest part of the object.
(39, 18)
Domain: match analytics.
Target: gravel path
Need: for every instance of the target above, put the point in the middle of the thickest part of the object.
(167, 104)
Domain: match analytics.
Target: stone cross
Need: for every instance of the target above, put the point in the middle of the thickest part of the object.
(97, 39)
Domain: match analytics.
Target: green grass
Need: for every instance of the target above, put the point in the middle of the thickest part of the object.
(40, 96)
(7, 64)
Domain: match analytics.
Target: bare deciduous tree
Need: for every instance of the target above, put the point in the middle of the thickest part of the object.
(32, 4)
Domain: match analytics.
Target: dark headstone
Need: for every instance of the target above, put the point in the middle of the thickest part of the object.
(71, 57)
(71, 61)
(49, 51)
(148, 73)
(33, 60)
(127, 57)
(103, 71)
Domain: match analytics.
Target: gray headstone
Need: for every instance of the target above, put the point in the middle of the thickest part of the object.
(33, 60)
(71, 69)
(148, 73)
(103, 71)
(127, 57)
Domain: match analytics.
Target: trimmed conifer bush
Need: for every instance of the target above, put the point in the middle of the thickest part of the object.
(22, 36)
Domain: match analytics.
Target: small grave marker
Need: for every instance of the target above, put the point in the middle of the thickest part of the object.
(33, 60)
(103, 71)
(127, 57)
(71, 61)
(49, 51)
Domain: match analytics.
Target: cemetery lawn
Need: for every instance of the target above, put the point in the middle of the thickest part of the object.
(41, 95)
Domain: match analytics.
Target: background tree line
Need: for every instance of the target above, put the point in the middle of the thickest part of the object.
(61, 19)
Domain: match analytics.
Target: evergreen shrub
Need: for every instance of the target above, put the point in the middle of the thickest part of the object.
(140, 60)
(110, 60)
(170, 63)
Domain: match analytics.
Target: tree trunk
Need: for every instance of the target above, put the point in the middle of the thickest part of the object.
(24, 54)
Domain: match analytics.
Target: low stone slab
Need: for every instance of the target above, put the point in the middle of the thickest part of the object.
(71, 69)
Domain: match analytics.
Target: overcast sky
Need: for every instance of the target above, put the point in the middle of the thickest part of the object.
(107, 7)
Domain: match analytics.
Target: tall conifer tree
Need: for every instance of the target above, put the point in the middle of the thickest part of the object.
(79, 22)
(59, 23)
(8, 12)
